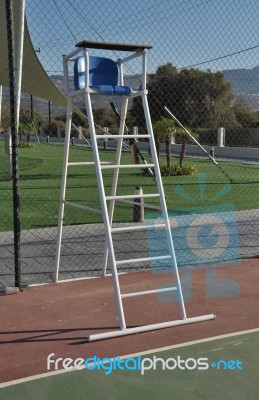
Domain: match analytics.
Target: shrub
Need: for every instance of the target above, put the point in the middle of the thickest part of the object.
(175, 169)
(26, 145)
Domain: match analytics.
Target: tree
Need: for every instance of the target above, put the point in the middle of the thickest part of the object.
(164, 128)
(197, 98)
(245, 115)
(184, 138)
(5, 118)
(26, 128)
(105, 117)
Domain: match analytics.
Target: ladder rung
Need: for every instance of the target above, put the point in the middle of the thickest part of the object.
(145, 205)
(76, 164)
(137, 228)
(132, 196)
(122, 136)
(117, 166)
(137, 260)
(70, 203)
(169, 289)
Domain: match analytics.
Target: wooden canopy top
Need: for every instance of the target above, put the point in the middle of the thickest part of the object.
(113, 46)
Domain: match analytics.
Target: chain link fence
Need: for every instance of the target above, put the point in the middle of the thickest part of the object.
(204, 67)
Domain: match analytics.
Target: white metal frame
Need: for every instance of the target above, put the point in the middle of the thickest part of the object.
(113, 197)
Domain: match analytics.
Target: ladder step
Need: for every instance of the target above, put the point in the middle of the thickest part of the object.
(137, 228)
(169, 289)
(137, 260)
(76, 164)
(70, 203)
(132, 196)
(117, 166)
(145, 205)
(125, 137)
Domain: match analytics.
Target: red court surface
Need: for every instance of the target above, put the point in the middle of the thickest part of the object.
(57, 318)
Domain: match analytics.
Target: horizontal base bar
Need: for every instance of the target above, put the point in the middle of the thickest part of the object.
(146, 328)
(138, 260)
(133, 294)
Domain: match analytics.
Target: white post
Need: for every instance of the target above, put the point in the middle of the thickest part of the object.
(19, 58)
(63, 186)
(135, 132)
(8, 151)
(80, 132)
(123, 115)
(138, 208)
(106, 216)
(105, 141)
(163, 206)
(221, 137)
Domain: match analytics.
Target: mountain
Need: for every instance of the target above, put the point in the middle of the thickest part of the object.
(245, 83)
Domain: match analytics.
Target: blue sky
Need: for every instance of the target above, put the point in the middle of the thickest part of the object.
(184, 32)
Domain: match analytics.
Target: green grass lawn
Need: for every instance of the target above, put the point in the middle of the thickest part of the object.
(40, 179)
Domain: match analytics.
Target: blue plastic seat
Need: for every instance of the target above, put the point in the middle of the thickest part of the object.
(103, 76)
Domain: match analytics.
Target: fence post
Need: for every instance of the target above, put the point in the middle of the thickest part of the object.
(135, 132)
(221, 137)
(14, 135)
(138, 209)
(212, 153)
(80, 132)
(105, 139)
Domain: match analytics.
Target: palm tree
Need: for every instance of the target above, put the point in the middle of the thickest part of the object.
(184, 138)
(164, 128)
(26, 128)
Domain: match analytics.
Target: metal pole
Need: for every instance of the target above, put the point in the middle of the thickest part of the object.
(31, 108)
(164, 206)
(198, 144)
(14, 133)
(19, 58)
(49, 118)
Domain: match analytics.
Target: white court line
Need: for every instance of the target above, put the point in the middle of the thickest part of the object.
(158, 350)
(219, 348)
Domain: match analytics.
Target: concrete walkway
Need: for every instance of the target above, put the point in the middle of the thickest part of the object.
(237, 234)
